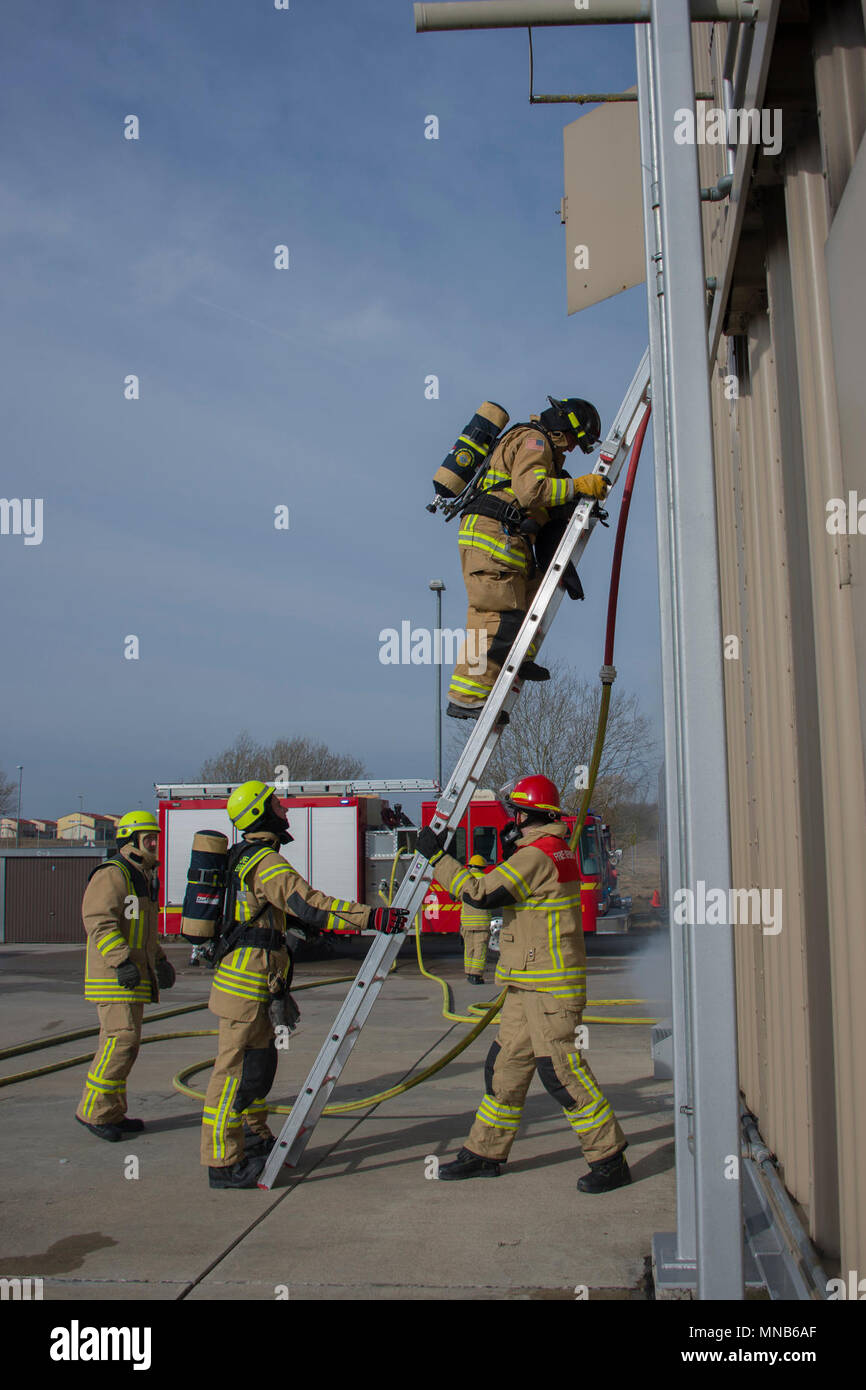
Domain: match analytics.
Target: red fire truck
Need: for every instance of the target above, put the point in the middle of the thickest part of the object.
(343, 846)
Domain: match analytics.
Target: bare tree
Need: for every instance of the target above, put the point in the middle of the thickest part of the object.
(552, 731)
(8, 795)
(305, 761)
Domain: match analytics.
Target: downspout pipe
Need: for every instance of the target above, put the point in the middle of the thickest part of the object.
(788, 1223)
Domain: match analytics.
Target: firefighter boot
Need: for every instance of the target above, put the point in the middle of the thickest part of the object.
(112, 1133)
(606, 1175)
(531, 671)
(475, 979)
(256, 1145)
(127, 1126)
(243, 1174)
(470, 1165)
(465, 712)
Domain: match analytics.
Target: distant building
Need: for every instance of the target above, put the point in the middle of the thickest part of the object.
(88, 827)
(11, 829)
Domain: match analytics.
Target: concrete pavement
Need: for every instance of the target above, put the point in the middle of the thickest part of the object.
(361, 1218)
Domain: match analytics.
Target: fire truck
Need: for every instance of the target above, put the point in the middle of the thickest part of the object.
(344, 845)
(341, 843)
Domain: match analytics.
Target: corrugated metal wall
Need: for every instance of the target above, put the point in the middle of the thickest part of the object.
(42, 896)
(795, 709)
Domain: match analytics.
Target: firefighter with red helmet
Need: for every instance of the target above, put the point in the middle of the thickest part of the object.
(524, 488)
(542, 963)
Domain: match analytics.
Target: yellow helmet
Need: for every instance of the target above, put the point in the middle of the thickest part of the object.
(136, 822)
(247, 803)
(478, 862)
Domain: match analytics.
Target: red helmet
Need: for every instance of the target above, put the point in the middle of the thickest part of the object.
(535, 793)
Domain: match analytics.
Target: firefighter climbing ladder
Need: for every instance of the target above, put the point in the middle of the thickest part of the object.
(463, 783)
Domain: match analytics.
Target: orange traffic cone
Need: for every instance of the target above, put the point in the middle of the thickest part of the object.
(656, 899)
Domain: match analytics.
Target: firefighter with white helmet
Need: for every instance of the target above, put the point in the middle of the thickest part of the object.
(125, 969)
(542, 963)
(265, 898)
(523, 490)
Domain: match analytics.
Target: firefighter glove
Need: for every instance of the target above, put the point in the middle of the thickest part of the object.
(283, 1012)
(128, 975)
(165, 975)
(389, 919)
(431, 843)
(592, 485)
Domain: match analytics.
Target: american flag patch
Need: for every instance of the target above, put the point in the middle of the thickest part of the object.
(535, 443)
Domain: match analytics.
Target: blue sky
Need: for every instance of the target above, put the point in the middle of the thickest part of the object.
(261, 387)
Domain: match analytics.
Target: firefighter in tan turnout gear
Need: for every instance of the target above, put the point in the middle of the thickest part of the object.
(542, 962)
(475, 930)
(265, 899)
(125, 969)
(524, 500)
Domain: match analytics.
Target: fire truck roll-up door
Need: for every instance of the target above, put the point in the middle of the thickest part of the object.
(334, 851)
(181, 825)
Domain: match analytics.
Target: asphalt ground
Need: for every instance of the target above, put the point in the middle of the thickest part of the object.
(360, 1218)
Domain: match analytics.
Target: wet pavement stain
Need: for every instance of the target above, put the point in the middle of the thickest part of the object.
(60, 1258)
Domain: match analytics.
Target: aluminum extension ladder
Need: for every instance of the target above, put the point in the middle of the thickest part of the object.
(464, 781)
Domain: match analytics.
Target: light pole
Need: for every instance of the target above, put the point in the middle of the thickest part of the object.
(18, 817)
(80, 812)
(438, 588)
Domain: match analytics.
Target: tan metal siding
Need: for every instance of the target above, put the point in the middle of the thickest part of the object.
(839, 715)
(796, 744)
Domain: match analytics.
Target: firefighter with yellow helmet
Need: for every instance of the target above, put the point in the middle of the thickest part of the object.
(269, 909)
(542, 963)
(475, 930)
(125, 968)
(524, 494)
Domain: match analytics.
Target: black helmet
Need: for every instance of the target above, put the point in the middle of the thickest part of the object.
(574, 416)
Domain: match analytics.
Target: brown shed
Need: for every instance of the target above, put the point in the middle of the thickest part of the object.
(41, 892)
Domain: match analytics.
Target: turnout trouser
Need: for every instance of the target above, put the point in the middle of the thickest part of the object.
(243, 1074)
(103, 1101)
(498, 600)
(475, 950)
(537, 1031)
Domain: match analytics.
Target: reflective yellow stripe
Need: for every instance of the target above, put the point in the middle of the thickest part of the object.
(267, 874)
(251, 864)
(513, 555)
(223, 1117)
(482, 449)
(110, 941)
(464, 685)
(460, 878)
(554, 940)
(493, 1112)
(509, 872)
(474, 918)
